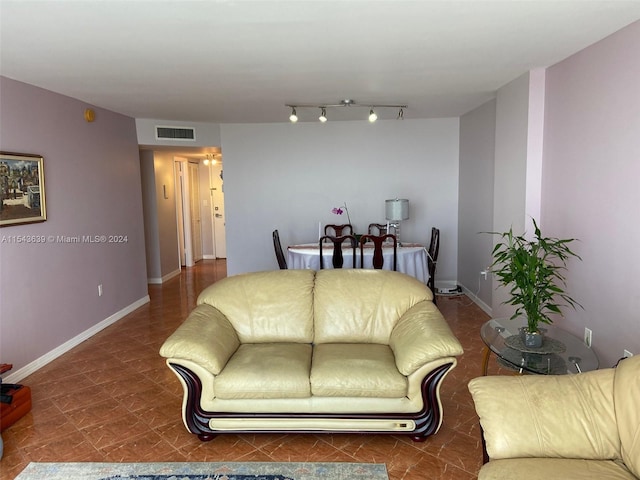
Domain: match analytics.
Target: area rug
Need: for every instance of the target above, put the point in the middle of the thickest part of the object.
(204, 471)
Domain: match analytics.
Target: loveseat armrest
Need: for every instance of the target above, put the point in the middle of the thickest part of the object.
(555, 416)
(421, 336)
(206, 337)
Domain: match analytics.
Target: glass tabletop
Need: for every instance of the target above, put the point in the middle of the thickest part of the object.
(561, 352)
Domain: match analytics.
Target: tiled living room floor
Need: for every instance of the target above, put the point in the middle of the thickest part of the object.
(113, 399)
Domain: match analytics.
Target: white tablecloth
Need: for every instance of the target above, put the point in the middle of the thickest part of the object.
(412, 258)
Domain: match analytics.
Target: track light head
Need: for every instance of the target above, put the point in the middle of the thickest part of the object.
(323, 115)
(401, 114)
(372, 116)
(293, 118)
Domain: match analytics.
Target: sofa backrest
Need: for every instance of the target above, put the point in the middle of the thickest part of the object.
(548, 416)
(626, 396)
(273, 306)
(360, 305)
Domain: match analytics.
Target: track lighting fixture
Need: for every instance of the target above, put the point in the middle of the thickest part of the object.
(294, 116)
(323, 115)
(373, 116)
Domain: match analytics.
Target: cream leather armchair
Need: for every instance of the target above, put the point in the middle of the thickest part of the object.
(584, 426)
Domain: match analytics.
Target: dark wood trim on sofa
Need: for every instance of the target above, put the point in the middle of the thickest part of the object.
(485, 455)
(426, 420)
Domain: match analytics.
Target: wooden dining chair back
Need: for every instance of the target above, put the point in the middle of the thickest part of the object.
(338, 257)
(432, 260)
(338, 230)
(377, 229)
(378, 243)
(277, 246)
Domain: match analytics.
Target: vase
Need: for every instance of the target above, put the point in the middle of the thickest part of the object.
(531, 339)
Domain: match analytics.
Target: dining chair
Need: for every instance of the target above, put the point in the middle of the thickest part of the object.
(377, 229)
(378, 257)
(338, 230)
(282, 262)
(338, 258)
(432, 260)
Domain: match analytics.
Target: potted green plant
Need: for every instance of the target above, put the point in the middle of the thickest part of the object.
(533, 270)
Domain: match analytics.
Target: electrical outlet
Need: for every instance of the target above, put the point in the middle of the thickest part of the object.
(587, 336)
(627, 353)
(100, 290)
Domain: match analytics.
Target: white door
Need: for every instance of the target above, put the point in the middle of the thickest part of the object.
(179, 189)
(194, 206)
(217, 200)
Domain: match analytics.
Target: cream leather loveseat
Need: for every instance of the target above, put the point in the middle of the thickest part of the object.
(299, 350)
(584, 426)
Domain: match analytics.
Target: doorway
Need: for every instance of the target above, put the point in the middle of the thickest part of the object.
(187, 179)
(216, 183)
(194, 209)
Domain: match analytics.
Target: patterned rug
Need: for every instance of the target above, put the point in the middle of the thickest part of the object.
(204, 471)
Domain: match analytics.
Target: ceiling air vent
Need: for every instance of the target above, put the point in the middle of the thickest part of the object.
(175, 133)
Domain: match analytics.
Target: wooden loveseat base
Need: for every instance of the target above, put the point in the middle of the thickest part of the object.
(427, 421)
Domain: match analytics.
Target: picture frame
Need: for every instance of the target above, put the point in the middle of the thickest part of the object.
(22, 193)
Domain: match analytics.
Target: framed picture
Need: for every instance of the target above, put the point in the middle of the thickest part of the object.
(21, 189)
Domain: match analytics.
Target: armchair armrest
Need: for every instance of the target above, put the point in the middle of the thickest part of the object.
(420, 336)
(555, 416)
(206, 337)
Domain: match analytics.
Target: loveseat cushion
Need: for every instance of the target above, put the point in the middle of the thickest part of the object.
(356, 370)
(266, 370)
(265, 307)
(554, 468)
(362, 306)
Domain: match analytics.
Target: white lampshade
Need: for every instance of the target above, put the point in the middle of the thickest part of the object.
(397, 209)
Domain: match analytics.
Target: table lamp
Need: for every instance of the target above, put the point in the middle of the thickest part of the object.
(396, 210)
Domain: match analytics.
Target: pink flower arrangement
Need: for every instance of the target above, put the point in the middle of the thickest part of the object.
(342, 209)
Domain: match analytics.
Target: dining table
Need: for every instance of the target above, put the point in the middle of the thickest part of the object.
(411, 258)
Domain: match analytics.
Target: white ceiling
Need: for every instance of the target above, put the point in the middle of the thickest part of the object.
(234, 61)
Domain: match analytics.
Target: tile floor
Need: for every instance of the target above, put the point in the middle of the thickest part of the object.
(113, 399)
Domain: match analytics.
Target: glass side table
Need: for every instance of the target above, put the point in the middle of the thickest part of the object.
(562, 353)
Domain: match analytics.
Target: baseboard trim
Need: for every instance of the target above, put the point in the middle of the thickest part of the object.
(161, 280)
(475, 299)
(32, 367)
